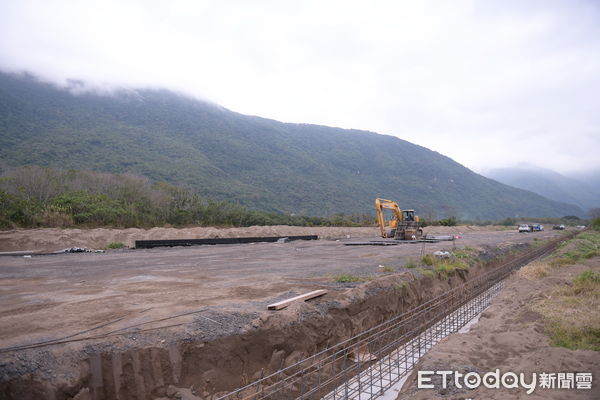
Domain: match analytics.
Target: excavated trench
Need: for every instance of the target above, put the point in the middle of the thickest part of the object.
(155, 369)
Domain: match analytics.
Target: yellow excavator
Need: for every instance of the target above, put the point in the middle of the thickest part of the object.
(404, 224)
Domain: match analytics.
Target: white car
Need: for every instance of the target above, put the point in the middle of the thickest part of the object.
(524, 228)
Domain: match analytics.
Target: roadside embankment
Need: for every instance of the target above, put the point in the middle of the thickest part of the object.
(545, 321)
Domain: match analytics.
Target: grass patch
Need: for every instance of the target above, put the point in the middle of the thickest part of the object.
(575, 338)
(445, 265)
(116, 245)
(588, 276)
(410, 264)
(428, 259)
(425, 272)
(586, 283)
(467, 254)
(386, 268)
(581, 247)
(572, 313)
(535, 270)
(537, 242)
(347, 278)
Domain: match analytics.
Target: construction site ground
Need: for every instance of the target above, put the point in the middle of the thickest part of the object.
(49, 297)
(59, 313)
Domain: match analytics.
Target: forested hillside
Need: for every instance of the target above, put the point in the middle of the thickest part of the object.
(259, 163)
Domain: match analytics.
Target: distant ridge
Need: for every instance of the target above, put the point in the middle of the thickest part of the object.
(257, 162)
(584, 193)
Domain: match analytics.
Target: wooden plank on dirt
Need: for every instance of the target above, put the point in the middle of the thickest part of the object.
(19, 253)
(304, 297)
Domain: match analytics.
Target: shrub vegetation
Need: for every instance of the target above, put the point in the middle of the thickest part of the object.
(45, 197)
(347, 278)
(572, 316)
(116, 245)
(583, 246)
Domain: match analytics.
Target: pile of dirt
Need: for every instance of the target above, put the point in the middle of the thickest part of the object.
(465, 228)
(52, 239)
(512, 337)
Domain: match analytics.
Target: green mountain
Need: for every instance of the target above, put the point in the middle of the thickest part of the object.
(257, 162)
(584, 193)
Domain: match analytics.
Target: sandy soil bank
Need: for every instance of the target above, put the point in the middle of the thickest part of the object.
(510, 336)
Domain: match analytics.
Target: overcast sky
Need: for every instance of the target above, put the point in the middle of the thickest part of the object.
(488, 83)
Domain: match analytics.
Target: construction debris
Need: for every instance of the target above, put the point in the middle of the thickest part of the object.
(441, 254)
(77, 250)
(307, 296)
(29, 253)
(441, 237)
(18, 253)
(389, 242)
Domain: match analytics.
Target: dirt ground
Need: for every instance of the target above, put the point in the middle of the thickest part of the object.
(187, 315)
(49, 297)
(510, 336)
(52, 239)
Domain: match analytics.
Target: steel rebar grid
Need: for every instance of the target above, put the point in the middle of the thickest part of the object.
(338, 372)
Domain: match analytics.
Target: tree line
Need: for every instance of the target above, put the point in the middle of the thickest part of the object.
(34, 196)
